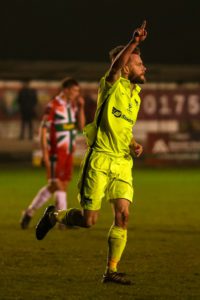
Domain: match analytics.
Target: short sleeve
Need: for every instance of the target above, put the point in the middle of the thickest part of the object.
(106, 87)
(48, 115)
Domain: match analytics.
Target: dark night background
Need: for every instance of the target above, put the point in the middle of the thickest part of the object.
(87, 30)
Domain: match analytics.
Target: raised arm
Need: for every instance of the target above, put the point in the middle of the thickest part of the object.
(122, 58)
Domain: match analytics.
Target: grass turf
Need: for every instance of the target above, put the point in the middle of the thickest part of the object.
(162, 254)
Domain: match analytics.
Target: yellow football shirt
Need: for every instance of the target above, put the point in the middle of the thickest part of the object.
(114, 133)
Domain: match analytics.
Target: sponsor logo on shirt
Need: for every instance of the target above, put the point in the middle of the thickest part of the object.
(118, 114)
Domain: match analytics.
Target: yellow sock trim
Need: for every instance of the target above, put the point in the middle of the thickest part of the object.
(112, 265)
(60, 216)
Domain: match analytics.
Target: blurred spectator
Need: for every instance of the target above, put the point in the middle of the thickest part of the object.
(27, 101)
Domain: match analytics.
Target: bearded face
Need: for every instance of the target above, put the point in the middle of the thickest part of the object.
(136, 69)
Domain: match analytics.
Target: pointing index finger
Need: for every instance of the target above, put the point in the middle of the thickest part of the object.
(143, 24)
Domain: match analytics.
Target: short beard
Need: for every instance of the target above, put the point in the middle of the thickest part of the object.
(137, 79)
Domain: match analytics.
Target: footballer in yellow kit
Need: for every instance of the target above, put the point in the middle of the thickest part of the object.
(107, 167)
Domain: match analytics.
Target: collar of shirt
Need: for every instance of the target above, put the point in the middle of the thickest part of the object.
(63, 102)
(127, 85)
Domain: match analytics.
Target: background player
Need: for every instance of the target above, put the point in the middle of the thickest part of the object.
(107, 170)
(63, 115)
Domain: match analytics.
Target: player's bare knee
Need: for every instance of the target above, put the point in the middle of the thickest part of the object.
(125, 216)
(90, 218)
(90, 221)
(121, 218)
(52, 187)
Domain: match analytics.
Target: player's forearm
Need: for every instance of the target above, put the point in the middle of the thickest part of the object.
(81, 118)
(135, 148)
(43, 140)
(123, 57)
(133, 141)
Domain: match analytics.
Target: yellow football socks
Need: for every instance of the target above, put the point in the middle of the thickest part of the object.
(117, 238)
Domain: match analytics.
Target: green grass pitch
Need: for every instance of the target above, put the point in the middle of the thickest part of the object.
(162, 256)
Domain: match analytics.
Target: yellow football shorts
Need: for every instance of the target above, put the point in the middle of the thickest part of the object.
(104, 177)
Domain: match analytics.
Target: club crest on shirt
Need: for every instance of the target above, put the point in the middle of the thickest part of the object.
(130, 106)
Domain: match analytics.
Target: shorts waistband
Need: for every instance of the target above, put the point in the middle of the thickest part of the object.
(113, 155)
